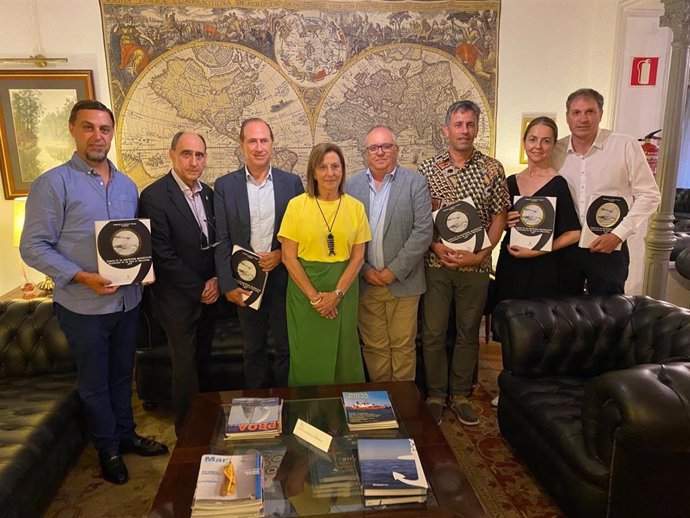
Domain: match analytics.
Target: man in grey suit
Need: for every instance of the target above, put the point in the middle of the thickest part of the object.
(398, 206)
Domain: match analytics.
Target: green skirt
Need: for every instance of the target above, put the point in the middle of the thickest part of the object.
(323, 351)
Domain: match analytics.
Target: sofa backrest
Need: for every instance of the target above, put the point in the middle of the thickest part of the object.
(586, 336)
(31, 341)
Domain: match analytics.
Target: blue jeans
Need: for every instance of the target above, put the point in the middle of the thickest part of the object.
(103, 347)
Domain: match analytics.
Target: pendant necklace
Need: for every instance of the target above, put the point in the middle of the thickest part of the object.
(330, 241)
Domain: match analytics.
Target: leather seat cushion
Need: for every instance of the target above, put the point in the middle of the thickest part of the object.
(553, 407)
(42, 432)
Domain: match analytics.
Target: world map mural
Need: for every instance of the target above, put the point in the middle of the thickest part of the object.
(315, 71)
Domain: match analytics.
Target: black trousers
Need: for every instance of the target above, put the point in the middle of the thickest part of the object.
(189, 329)
(583, 271)
(255, 325)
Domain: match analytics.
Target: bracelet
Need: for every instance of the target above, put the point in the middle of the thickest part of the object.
(315, 301)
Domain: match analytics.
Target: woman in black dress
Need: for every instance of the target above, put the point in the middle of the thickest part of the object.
(523, 273)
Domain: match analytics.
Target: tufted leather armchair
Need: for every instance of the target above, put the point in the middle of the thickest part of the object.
(42, 428)
(595, 398)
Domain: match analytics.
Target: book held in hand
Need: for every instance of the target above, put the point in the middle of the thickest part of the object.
(252, 418)
(124, 252)
(229, 485)
(537, 221)
(391, 471)
(460, 226)
(369, 410)
(604, 214)
(248, 275)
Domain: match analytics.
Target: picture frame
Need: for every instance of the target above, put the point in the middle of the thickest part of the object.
(34, 110)
(526, 119)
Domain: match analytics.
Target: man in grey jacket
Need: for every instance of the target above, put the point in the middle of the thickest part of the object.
(398, 207)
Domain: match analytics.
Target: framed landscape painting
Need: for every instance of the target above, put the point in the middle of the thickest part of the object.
(34, 113)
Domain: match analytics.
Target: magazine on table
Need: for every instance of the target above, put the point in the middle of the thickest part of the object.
(254, 417)
(391, 468)
(369, 410)
(229, 484)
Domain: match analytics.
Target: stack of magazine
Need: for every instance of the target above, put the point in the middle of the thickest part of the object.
(253, 418)
(335, 474)
(230, 486)
(370, 410)
(391, 472)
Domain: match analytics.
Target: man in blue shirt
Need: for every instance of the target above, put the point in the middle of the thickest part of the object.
(99, 320)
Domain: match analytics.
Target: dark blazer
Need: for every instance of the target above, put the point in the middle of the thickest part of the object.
(181, 267)
(233, 222)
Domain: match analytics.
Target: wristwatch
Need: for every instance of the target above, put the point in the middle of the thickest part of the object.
(339, 293)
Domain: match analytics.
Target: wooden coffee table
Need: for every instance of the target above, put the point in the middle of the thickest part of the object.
(450, 495)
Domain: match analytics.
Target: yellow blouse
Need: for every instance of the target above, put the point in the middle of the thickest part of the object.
(304, 224)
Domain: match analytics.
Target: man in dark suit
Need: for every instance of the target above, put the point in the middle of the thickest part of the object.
(186, 289)
(250, 204)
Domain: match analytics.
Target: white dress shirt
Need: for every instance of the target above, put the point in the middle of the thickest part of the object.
(613, 166)
(262, 211)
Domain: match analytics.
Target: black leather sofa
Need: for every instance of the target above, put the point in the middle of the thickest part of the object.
(595, 398)
(153, 371)
(42, 427)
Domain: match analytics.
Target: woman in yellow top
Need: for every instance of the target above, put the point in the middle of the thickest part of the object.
(323, 236)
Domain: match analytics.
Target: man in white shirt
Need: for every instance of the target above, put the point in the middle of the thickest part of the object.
(597, 162)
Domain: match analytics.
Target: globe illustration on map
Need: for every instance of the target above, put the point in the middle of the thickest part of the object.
(209, 88)
(310, 49)
(408, 88)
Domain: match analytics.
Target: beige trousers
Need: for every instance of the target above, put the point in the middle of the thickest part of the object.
(388, 327)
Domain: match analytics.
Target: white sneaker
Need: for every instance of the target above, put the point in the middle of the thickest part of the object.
(494, 401)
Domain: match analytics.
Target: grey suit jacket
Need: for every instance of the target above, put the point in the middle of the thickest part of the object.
(408, 228)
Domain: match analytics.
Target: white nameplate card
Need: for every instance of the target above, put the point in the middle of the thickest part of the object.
(312, 435)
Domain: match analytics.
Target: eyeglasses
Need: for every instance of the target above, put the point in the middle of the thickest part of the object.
(203, 238)
(374, 148)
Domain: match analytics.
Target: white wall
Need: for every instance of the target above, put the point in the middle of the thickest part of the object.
(547, 49)
(68, 28)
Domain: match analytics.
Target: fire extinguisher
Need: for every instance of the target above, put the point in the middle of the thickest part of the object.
(651, 149)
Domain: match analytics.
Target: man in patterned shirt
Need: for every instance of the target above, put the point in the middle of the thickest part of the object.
(459, 173)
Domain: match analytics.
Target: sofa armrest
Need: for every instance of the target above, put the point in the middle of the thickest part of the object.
(644, 408)
(31, 340)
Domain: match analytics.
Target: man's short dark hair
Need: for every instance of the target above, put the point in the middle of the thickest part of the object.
(585, 93)
(254, 119)
(463, 106)
(89, 104)
(176, 138)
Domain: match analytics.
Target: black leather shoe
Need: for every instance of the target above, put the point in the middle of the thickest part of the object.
(114, 469)
(143, 446)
